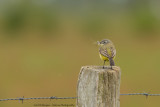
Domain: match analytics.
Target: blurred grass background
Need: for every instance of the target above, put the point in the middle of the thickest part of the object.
(44, 43)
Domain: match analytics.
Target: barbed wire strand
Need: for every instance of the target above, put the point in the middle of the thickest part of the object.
(34, 98)
(53, 97)
(145, 94)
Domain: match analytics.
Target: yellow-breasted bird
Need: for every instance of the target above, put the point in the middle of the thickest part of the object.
(107, 51)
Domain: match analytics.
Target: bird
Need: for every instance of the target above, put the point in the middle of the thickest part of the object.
(107, 51)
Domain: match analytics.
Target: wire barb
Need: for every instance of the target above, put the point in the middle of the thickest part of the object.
(21, 99)
(52, 97)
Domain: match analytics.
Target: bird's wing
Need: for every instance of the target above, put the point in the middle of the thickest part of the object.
(108, 52)
(103, 52)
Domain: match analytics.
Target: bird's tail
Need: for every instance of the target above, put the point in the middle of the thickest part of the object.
(111, 61)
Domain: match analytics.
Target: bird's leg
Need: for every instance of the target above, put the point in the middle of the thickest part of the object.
(111, 67)
(104, 63)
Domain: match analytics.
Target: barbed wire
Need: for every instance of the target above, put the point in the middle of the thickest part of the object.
(53, 97)
(34, 98)
(144, 94)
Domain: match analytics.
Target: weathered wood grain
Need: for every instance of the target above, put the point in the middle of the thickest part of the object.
(98, 87)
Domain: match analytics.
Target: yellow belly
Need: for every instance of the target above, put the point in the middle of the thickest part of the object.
(103, 58)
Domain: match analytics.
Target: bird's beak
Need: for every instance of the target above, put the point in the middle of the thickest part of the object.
(98, 42)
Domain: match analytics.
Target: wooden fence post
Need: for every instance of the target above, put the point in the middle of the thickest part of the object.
(98, 87)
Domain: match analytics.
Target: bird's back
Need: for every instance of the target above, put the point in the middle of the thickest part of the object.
(108, 50)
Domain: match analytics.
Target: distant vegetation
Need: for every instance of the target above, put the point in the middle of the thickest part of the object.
(87, 17)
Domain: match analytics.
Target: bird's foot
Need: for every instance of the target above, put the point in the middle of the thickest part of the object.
(103, 67)
(111, 67)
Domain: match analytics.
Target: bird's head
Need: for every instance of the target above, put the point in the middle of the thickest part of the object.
(103, 42)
